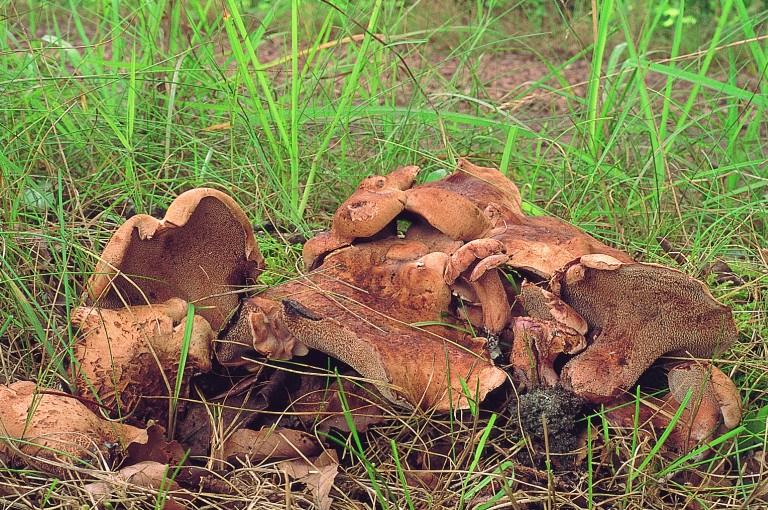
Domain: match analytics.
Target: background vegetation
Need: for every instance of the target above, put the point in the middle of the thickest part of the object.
(633, 120)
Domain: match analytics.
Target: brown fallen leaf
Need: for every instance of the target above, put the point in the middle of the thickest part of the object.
(157, 448)
(318, 474)
(269, 444)
(318, 402)
(145, 475)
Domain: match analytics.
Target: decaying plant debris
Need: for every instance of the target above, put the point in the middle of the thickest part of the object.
(435, 295)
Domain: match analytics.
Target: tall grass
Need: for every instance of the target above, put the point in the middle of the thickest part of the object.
(623, 125)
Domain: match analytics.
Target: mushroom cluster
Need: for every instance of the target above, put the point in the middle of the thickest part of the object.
(420, 286)
(436, 293)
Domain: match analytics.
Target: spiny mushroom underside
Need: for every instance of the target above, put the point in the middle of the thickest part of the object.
(127, 359)
(637, 313)
(53, 432)
(384, 311)
(203, 251)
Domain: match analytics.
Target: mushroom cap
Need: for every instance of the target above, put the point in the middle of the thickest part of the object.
(636, 313)
(375, 203)
(471, 203)
(323, 243)
(544, 244)
(363, 307)
(202, 251)
(447, 211)
(715, 397)
(56, 430)
(377, 200)
(487, 186)
(127, 354)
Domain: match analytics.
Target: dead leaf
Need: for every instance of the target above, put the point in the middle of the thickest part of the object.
(269, 444)
(157, 448)
(318, 474)
(318, 402)
(145, 475)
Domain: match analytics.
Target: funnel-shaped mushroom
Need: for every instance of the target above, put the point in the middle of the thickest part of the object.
(377, 307)
(127, 354)
(637, 313)
(202, 251)
(53, 432)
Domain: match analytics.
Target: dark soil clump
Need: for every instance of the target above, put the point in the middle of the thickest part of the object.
(556, 406)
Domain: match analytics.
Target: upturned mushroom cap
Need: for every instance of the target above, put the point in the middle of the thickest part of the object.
(56, 431)
(127, 354)
(202, 251)
(636, 313)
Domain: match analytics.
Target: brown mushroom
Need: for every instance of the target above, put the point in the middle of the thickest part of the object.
(375, 203)
(636, 313)
(202, 251)
(539, 244)
(449, 212)
(463, 206)
(377, 307)
(128, 354)
(714, 403)
(53, 432)
(552, 328)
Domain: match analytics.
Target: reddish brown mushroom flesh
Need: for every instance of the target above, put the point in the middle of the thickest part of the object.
(552, 328)
(376, 307)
